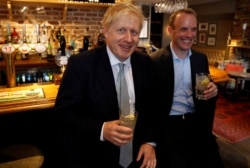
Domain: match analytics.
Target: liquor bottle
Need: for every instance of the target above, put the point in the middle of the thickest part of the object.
(23, 79)
(62, 45)
(100, 39)
(229, 39)
(28, 39)
(44, 38)
(24, 56)
(2, 38)
(85, 43)
(66, 36)
(39, 76)
(28, 78)
(94, 40)
(24, 34)
(44, 42)
(14, 36)
(58, 34)
(38, 33)
(49, 49)
(54, 45)
(52, 33)
(8, 35)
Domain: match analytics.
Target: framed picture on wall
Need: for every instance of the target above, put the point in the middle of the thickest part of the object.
(203, 26)
(211, 41)
(212, 29)
(202, 38)
(195, 41)
(144, 31)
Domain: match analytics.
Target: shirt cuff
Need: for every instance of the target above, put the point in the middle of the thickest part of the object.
(152, 144)
(101, 137)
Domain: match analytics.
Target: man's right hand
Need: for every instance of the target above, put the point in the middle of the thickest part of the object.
(117, 134)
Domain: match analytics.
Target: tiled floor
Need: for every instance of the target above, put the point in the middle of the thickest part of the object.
(235, 155)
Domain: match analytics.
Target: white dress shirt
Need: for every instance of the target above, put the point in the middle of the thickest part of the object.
(128, 76)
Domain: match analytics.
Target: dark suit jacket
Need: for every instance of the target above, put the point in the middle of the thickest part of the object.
(164, 79)
(87, 98)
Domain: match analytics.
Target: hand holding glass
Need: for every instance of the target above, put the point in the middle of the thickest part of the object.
(202, 80)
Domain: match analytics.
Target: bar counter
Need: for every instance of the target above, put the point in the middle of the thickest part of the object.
(14, 106)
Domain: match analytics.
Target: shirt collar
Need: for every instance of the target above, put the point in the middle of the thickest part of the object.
(175, 56)
(114, 60)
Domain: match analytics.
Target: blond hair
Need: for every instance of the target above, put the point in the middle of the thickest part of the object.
(115, 11)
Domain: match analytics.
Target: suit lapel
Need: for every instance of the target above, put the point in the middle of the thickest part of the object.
(168, 70)
(105, 74)
(193, 70)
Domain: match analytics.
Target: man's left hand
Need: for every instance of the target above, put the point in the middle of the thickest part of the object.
(211, 91)
(148, 153)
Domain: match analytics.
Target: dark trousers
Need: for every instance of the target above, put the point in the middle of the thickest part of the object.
(186, 145)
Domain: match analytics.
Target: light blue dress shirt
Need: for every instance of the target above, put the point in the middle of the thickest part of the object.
(183, 93)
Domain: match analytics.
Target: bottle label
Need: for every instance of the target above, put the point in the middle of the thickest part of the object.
(24, 49)
(40, 48)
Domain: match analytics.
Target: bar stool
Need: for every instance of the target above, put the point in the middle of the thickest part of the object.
(21, 156)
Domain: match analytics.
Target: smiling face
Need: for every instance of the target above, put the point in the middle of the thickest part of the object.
(122, 36)
(183, 33)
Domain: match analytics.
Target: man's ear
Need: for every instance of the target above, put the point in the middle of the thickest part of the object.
(169, 30)
(105, 31)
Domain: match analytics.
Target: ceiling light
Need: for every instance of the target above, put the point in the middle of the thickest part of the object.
(24, 10)
(170, 6)
(40, 9)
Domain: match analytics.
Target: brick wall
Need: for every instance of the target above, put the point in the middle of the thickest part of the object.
(79, 20)
(242, 15)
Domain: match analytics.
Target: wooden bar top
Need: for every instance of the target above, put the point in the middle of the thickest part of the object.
(50, 92)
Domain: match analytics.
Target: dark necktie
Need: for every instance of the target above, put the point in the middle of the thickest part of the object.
(123, 98)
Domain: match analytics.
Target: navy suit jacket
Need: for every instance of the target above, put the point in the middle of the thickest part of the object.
(87, 98)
